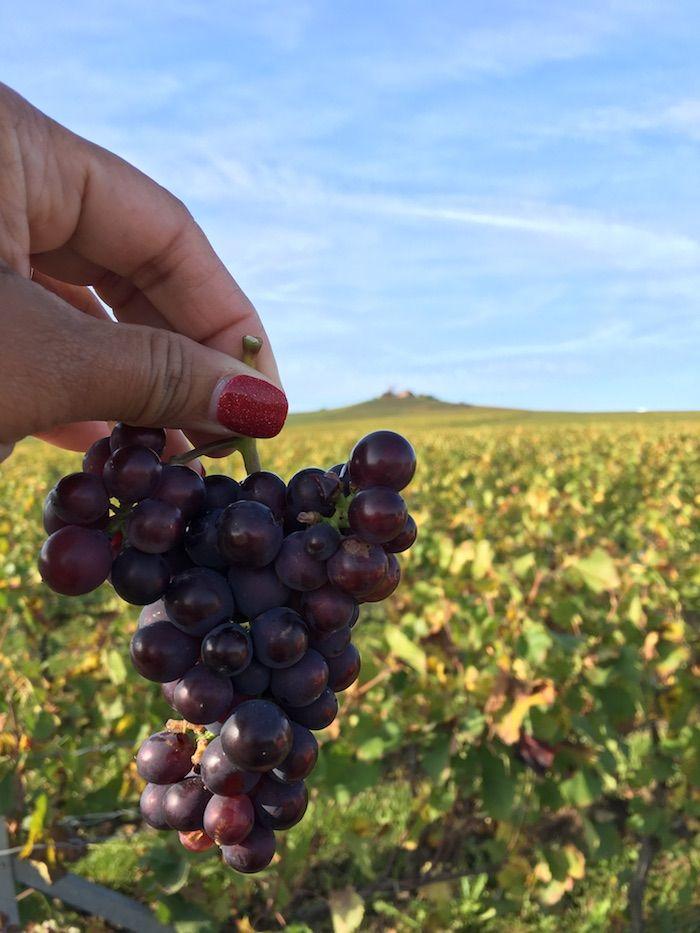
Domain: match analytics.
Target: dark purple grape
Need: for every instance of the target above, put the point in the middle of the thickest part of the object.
(202, 696)
(328, 609)
(337, 469)
(377, 514)
(388, 583)
(50, 520)
(181, 487)
(184, 804)
(316, 715)
(321, 540)
(162, 653)
(227, 649)
(254, 680)
(268, 488)
(257, 736)
(124, 435)
(165, 757)
(404, 539)
(96, 456)
(313, 490)
(253, 854)
(140, 578)
(80, 499)
(357, 566)
(75, 560)
(228, 820)
(202, 540)
(279, 637)
(330, 646)
(344, 669)
(151, 804)
(132, 473)
(249, 534)
(355, 616)
(382, 458)
(220, 491)
(153, 612)
(220, 776)
(303, 682)
(154, 526)
(198, 600)
(256, 591)
(178, 560)
(279, 805)
(296, 568)
(302, 758)
(168, 691)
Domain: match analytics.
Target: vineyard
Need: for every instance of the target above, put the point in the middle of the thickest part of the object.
(521, 751)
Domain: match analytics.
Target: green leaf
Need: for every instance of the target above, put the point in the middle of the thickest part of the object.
(598, 571)
(583, 788)
(498, 788)
(116, 668)
(347, 910)
(404, 649)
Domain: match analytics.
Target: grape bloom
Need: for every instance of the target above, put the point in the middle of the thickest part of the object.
(251, 592)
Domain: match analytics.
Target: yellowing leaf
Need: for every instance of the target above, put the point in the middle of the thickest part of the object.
(508, 729)
(463, 554)
(347, 910)
(598, 571)
(483, 560)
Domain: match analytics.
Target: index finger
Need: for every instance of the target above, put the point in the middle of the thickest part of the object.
(120, 220)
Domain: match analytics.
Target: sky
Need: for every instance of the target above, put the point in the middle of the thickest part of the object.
(492, 202)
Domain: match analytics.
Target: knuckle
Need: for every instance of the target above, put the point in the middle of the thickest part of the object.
(168, 380)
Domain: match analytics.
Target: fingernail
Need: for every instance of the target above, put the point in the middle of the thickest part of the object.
(251, 406)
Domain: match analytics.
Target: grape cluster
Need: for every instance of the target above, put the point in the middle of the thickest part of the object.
(250, 592)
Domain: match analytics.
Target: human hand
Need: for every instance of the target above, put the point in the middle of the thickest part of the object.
(73, 215)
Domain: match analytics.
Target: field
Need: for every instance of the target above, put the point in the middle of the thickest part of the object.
(521, 749)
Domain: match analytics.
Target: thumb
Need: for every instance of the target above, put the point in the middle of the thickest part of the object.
(60, 365)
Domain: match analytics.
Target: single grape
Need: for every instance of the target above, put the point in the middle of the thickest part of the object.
(253, 854)
(80, 499)
(257, 736)
(162, 653)
(357, 566)
(140, 578)
(132, 473)
(377, 514)
(316, 715)
(151, 805)
(154, 526)
(181, 487)
(178, 560)
(153, 612)
(296, 568)
(303, 682)
(337, 469)
(196, 840)
(302, 757)
(184, 804)
(52, 522)
(382, 458)
(355, 616)
(321, 540)
(249, 534)
(328, 609)
(202, 540)
(388, 583)
(75, 560)
(279, 637)
(404, 539)
(202, 696)
(228, 820)
(257, 590)
(165, 757)
(268, 488)
(96, 456)
(227, 649)
(124, 435)
(313, 490)
(332, 645)
(198, 600)
(278, 805)
(220, 775)
(168, 691)
(344, 669)
(220, 491)
(253, 681)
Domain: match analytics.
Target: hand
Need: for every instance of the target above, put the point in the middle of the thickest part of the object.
(73, 215)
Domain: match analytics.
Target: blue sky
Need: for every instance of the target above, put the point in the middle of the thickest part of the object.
(494, 202)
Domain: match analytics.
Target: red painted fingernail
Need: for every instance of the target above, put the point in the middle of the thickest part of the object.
(252, 407)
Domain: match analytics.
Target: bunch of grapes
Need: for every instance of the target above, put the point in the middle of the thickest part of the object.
(250, 593)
